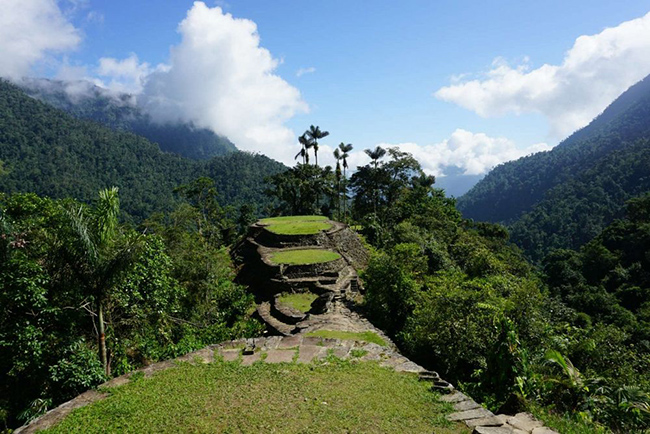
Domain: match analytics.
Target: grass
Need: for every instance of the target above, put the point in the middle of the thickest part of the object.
(303, 256)
(297, 225)
(367, 336)
(333, 396)
(293, 218)
(300, 301)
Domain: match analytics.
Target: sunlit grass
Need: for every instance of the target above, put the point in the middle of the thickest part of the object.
(300, 301)
(333, 396)
(366, 336)
(303, 256)
(293, 218)
(297, 225)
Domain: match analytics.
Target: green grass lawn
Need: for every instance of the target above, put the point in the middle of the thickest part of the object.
(301, 301)
(297, 225)
(303, 256)
(334, 396)
(363, 336)
(293, 218)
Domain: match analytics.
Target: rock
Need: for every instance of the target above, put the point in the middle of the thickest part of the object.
(470, 414)
(492, 430)
(248, 360)
(307, 353)
(466, 405)
(442, 386)
(409, 367)
(544, 430)
(230, 355)
(503, 418)
(279, 356)
(483, 421)
(524, 421)
(455, 397)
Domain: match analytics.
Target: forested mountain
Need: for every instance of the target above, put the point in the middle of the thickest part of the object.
(119, 111)
(49, 152)
(566, 196)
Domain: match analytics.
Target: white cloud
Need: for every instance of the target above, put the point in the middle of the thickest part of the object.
(593, 73)
(126, 75)
(473, 153)
(303, 71)
(220, 78)
(30, 30)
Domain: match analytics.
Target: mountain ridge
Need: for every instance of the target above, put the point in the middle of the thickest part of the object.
(522, 193)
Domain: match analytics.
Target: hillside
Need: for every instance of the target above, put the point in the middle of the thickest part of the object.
(49, 152)
(564, 197)
(84, 100)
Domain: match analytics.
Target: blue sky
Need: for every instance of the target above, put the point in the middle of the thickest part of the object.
(465, 83)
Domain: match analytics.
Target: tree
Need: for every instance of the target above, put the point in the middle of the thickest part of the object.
(345, 153)
(316, 134)
(101, 256)
(300, 189)
(306, 143)
(337, 156)
(375, 155)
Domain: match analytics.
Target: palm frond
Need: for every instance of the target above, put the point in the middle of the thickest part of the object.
(80, 225)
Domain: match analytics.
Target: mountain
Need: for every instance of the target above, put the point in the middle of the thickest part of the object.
(564, 197)
(84, 100)
(455, 182)
(50, 152)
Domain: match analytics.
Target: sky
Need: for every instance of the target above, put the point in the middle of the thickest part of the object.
(463, 85)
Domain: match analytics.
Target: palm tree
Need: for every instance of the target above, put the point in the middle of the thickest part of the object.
(345, 153)
(316, 134)
(305, 141)
(337, 156)
(100, 259)
(376, 155)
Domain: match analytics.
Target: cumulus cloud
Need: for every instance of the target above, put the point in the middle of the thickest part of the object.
(219, 77)
(30, 30)
(125, 75)
(303, 71)
(593, 73)
(472, 153)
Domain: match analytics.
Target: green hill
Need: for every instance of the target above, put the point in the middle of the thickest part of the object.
(84, 100)
(50, 152)
(566, 196)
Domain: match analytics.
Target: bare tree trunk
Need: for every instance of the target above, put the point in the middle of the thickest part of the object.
(102, 337)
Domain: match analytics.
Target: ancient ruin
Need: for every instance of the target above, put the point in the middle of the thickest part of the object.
(303, 255)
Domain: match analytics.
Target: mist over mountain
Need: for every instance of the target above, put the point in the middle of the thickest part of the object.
(50, 152)
(566, 196)
(121, 111)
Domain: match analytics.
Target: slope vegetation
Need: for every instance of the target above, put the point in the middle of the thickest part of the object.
(83, 100)
(49, 152)
(564, 197)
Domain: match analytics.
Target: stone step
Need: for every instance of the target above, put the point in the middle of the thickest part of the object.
(274, 325)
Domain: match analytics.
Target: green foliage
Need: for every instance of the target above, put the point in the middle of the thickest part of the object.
(304, 190)
(563, 198)
(162, 293)
(49, 152)
(120, 112)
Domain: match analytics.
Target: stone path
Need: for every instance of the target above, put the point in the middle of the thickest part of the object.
(485, 422)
